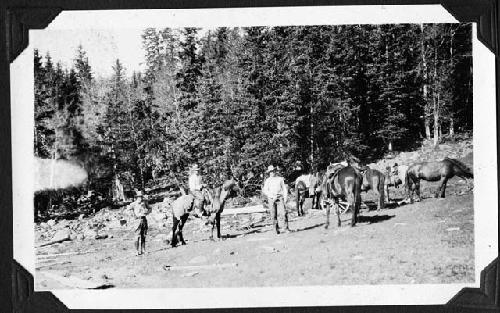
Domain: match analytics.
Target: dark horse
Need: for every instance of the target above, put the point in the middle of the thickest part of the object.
(342, 183)
(306, 186)
(212, 205)
(374, 180)
(435, 171)
(218, 197)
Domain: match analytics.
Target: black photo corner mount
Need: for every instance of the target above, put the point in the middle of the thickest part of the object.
(19, 19)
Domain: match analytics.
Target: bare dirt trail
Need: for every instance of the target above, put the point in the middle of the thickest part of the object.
(427, 242)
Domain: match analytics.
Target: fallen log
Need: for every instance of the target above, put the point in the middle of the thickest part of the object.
(43, 256)
(198, 267)
(76, 282)
(51, 264)
(245, 210)
(52, 242)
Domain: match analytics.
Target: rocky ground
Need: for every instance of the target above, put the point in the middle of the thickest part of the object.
(427, 242)
(462, 150)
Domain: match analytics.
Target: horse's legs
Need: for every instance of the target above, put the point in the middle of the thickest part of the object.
(181, 226)
(417, 188)
(327, 212)
(443, 187)
(175, 223)
(217, 222)
(297, 192)
(354, 218)
(337, 212)
(212, 231)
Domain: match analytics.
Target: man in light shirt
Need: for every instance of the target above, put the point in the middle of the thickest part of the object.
(196, 186)
(275, 190)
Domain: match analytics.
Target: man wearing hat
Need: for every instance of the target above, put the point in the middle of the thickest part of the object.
(196, 186)
(395, 175)
(141, 209)
(275, 190)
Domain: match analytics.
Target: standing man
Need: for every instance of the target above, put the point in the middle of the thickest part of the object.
(275, 190)
(196, 186)
(141, 209)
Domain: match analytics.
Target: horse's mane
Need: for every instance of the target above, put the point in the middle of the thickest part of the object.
(462, 166)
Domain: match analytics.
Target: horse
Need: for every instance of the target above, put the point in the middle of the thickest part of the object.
(219, 196)
(211, 206)
(306, 186)
(182, 207)
(342, 183)
(435, 171)
(374, 180)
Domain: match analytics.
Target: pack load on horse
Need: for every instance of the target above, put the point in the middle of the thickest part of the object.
(275, 191)
(341, 183)
(435, 171)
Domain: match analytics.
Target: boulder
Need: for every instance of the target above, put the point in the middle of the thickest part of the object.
(62, 235)
(51, 223)
(90, 233)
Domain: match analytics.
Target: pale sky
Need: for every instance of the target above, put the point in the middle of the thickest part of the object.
(103, 47)
(110, 34)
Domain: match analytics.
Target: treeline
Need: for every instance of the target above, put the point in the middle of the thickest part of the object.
(235, 100)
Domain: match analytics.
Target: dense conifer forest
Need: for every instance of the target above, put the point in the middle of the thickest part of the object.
(236, 100)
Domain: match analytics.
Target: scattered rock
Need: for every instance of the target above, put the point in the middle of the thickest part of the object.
(62, 235)
(90, 233)
(101, 236)
(51, 223)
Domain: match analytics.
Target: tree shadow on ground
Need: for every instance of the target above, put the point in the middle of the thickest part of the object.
(374, 219)
(372, 205)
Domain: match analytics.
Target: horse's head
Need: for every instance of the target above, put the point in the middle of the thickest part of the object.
(219, 195)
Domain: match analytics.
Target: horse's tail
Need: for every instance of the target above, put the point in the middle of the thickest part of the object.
(381, 190)
(466, 170)
(357, 195)
(408, 182)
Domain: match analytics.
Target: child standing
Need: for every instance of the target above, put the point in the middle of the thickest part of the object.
(141, 209)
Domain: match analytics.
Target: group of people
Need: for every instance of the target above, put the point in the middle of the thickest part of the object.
(274, 189)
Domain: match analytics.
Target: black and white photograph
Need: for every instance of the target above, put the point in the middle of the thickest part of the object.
(262, 155)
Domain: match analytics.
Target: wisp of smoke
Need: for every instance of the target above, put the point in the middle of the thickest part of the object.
(58, 174)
